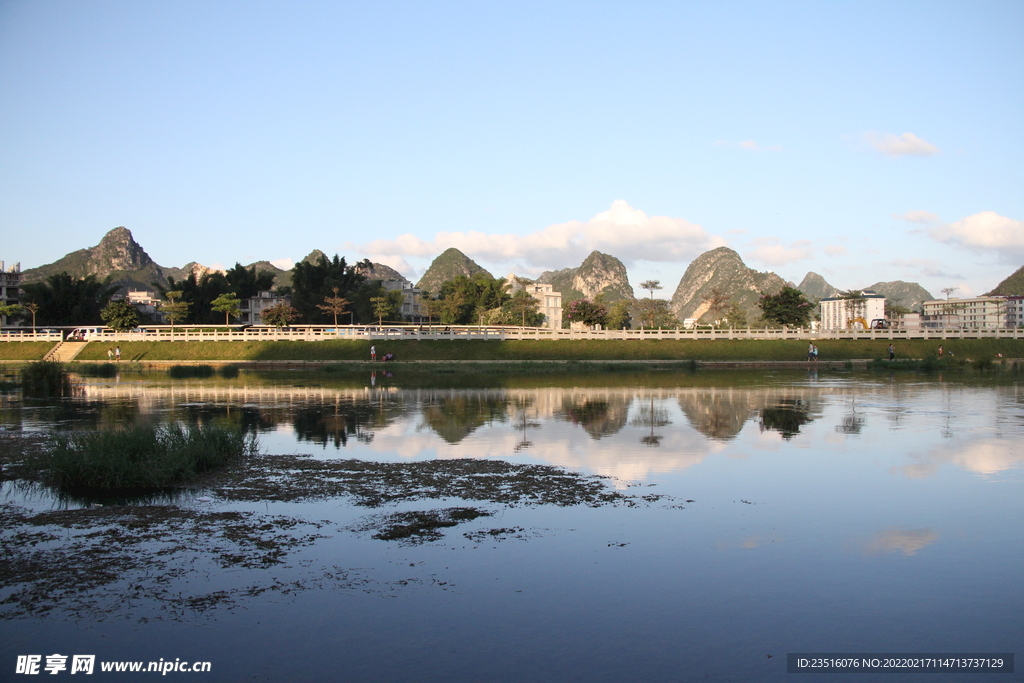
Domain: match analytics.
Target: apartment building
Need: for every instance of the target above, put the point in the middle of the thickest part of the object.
(845, 314)
(974, 313)
(10, 287)
(549, 301)
(413, 308)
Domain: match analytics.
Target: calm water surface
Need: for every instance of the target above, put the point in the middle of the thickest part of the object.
(798, 513)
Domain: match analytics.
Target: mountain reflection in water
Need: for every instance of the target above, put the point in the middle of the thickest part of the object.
(632, 431)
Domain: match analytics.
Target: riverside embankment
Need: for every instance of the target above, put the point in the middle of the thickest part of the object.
(454, 351)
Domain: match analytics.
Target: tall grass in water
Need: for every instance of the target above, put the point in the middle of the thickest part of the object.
(140, 457)
(185, 371)
(96, 369)
(45, 379)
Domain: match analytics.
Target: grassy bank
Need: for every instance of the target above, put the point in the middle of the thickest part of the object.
(24, 350)
(565, 350)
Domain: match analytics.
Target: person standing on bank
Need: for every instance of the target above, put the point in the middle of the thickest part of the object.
(892, 352)
(117, 354)
(810, 351)
(940, 351)
(373, 353)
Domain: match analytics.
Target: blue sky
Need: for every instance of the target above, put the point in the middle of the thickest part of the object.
(863, 141)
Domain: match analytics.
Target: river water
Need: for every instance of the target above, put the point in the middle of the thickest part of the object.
(755, 515)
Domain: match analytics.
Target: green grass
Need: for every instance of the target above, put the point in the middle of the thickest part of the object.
(24, 350)
(564, 350)
(139, 457)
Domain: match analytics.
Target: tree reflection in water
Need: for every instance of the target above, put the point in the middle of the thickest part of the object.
(455, 417)
(651, 416)
(786, 418)
(598, 417)
(345, 417)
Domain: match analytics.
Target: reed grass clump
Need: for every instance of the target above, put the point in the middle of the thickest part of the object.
(45, 379)
(228, 371)
(187, 371)
(140, 457)
(96, 369)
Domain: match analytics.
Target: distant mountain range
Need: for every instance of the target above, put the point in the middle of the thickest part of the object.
(908, 294)
(119, 256)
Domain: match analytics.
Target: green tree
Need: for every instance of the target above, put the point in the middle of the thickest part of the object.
(466, 298)
(335, 305)
(618, 316)
(7, 310)
(588, 312)
(387, 305)
(736, 316)
(174, 307)
(64, 300)
(651, 285)
(655, 313)
(229, 305)
(248, 282)
(313, 282)
(789, 307)
(522, 309)
(279, 315)
(120, 316)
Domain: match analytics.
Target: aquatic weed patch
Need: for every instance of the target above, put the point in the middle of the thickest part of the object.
(104, 560)
(417, 526)
(373, 484)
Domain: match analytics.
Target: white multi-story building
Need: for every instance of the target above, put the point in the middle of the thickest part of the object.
(146, 303)
(10, 287)
(975, 313)
(413, 308)
(549, 301)
(253, 306)
(846, 314)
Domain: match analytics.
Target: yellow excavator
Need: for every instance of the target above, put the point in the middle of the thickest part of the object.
(862, 321)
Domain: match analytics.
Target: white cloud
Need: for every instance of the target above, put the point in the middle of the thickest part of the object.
(749, 145)
(985, 231)
(835, 250)
(907, 144)
(623, 231)
(770, 250)
(896, 539)
(283, 263)
(924, 217)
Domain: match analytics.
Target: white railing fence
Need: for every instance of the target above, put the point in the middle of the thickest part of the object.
(311, 333)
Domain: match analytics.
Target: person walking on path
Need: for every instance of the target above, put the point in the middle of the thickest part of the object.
(110, 353)
(892, 352)
(117, 354)
(373, 353)
(814, 352)
(810, 352)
